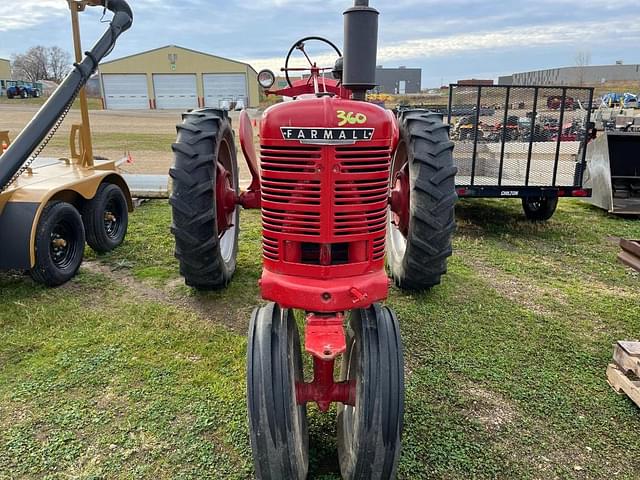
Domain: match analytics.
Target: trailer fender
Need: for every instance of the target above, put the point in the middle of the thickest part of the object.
(16, 225)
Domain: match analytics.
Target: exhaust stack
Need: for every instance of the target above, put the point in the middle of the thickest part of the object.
(360, 48)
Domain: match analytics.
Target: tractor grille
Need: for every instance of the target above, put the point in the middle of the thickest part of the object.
(341, 189)
(361, 191)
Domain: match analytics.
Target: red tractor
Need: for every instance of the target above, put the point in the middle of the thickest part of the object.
(341, 182)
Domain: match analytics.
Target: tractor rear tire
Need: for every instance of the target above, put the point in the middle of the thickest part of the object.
(539, 209)
(418, 260)
(59, 244)
(207, 259)
(277, 424)
(369, 433)
(106, 218)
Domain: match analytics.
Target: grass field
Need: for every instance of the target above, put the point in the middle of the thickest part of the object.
(93, 103)
(125, 373)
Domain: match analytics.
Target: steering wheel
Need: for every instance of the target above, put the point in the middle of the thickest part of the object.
(299, 45)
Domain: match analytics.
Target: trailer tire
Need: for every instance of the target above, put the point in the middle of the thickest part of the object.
(277, 424)
(57, 264)
(370, 432)
(418, 258)
(106, 218)
(539, 209)
(207, 259)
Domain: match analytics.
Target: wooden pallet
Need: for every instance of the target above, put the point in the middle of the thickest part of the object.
(630, 254)
(624, 373)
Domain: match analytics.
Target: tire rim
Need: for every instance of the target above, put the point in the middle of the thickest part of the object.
(399, 168)
(113, 219)
(228, 237)
(535, 205)
(354, 372)
(63, 246)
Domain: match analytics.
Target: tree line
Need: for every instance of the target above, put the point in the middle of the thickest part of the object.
(41, 63)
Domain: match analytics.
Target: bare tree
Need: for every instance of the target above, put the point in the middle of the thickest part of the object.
(582, 60)
(41, 63)
(59, 64)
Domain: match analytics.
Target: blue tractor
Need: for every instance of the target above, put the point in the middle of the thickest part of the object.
(23, 90)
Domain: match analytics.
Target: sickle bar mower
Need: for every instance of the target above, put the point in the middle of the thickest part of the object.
(341, 182)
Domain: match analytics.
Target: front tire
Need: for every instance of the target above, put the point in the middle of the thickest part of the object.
(420, 243)
(277, 424)
(539, 209)
(369, 433)
(106, 218)
(206, 254)
(59, 244)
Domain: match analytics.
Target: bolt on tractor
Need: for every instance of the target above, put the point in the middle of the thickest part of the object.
(341, 183)
(50, 207)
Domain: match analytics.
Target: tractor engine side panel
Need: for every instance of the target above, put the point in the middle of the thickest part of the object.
(325, 187)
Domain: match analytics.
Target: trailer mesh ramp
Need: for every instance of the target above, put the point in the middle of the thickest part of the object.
(519, 136)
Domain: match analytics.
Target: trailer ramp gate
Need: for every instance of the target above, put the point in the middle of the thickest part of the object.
(519, 141)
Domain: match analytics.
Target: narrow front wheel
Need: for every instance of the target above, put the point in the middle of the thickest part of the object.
(277, 424)
(369, 432)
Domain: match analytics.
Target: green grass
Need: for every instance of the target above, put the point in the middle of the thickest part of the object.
(93, 103)
(150, 142)
(125, 373)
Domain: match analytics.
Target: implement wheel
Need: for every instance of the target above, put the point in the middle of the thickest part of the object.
(59, 244)
(205, 187)
(278, 425)
(539, 209)
(369, 433)
(423, 198)
(106, 218)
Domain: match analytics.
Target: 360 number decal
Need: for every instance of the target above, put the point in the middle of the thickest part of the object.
(351, 118)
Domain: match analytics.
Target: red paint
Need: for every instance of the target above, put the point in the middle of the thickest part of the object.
(325, 340)
(399, 201)
(324, 295)
(225, 199)
(325, 335)
(306, 86)
(324, 207)
(249, 151)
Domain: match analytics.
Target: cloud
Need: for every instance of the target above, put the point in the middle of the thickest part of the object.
(29, 13)
(510, 38)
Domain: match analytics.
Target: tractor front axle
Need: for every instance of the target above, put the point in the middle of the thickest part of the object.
(325, 340)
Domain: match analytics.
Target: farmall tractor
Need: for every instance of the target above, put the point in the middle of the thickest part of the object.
(341, 183)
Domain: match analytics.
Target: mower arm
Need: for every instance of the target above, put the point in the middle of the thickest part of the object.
(42, 123)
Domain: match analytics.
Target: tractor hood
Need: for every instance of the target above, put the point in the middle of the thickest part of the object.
(329, 121)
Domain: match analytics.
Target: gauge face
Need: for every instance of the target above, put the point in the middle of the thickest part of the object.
(266, 78)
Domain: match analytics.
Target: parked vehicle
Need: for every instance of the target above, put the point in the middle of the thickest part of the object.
(19, 89)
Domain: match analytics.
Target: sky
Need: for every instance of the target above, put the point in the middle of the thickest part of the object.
(449, 39)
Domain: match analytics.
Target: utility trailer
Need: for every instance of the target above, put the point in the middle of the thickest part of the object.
(528, 147)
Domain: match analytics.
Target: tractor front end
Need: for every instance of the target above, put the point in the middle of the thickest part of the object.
(325, 186)
(343, 185)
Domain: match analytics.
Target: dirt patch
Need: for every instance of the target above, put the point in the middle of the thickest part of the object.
(490, 409)
(212, 310)
(512, 288)
(14, 117)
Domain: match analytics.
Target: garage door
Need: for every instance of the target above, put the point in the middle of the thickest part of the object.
(125, 92)
(224, 88)
(175, 91)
